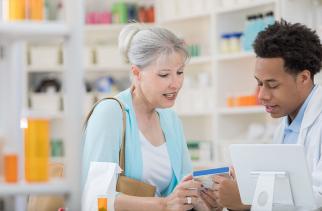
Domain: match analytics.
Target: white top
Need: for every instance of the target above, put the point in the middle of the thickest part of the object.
(157, 169)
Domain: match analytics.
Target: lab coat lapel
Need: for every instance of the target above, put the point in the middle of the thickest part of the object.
(312, 112)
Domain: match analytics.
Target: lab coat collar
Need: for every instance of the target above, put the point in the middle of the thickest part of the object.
(314, 108)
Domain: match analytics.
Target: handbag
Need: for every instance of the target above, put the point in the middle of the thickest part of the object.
(127, 185)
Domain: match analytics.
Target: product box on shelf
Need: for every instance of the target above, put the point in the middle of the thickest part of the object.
(48, 102)
(108, 56)
(45, 56)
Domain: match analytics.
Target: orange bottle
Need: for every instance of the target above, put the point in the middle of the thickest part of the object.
(101, 203)
(36, 9)
(17, 9)
(11, 168)
(37, 150)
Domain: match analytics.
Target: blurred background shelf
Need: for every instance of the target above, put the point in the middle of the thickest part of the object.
(242, 110)
(33, 30)
(21, 188)
(200, 60)
(235, 56)
(244, 6)
(184, 18)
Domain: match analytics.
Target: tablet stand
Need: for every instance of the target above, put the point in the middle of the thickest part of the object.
(264, 193)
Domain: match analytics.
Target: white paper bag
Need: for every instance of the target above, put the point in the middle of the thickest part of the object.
(101, 180)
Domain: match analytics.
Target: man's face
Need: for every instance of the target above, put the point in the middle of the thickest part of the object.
(279, 91)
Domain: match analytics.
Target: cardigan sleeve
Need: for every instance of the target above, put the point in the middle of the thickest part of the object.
(102, 136)
(186, 160)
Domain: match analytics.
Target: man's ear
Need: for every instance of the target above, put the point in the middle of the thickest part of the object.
(136, 72)
(305, 77)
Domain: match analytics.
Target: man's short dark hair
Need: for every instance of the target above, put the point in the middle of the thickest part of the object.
(296, 44)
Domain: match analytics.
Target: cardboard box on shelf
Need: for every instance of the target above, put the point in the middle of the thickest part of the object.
(49, 102)
(45, 56)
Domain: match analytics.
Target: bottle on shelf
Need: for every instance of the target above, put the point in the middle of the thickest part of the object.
(102, 203)
(246, 42)
(224, 43)
(10, 167)
(269, 18)
(260, 24)
(17, 10)
(36, 137)
(36, 9)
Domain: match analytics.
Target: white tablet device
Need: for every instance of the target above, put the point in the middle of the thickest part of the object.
(289, 158)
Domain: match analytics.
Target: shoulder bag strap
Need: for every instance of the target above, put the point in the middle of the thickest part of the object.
(122, 149)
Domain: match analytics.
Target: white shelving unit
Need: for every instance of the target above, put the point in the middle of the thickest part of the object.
(195, 103)
(52, 188)
(244, 6)
(235, 56)
(32, 30)
(13, 77)
(242, 110)
(230, 74)
(234, 73)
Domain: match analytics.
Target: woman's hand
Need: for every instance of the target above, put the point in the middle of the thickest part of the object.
(184, 196)
(207, 201)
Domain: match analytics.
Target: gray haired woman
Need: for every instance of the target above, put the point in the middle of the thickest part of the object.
(156, 150)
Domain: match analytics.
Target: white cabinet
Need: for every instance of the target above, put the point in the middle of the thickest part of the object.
(13, 38)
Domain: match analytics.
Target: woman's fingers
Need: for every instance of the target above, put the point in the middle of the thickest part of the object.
(191, 184)
(187, 178)
(209, 198)
(187, 207)
(232, 172)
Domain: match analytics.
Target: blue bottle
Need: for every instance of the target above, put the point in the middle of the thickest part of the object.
(247, 33)
(269, 18)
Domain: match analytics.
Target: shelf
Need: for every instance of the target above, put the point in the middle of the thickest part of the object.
(238, 7)
(103, 28)
(23, 188)
(200, 60)
(195, 114)
(92, 69)
(32, 69)
(242, 110)
(185, 18)
(33, 30)
(43, 114)
(235, 56)
(104, 69)
(93, 28)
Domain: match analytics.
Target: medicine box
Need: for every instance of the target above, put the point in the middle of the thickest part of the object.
(46, 56)
(108, 56)
(206, 176)
(49, 102)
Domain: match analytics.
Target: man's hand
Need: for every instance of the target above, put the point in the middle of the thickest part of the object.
(227, 193)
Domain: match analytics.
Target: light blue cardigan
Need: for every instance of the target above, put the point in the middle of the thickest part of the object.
(103, 140)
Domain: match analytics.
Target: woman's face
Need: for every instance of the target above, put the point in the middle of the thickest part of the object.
(160, 82)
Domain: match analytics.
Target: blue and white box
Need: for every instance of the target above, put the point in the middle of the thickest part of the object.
(206, 176)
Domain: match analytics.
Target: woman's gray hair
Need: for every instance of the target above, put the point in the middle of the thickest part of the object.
(141, 45)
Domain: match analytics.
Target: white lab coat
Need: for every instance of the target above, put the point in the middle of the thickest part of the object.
(310, 136)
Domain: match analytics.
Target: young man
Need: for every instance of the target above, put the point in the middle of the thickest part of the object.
(288, 57)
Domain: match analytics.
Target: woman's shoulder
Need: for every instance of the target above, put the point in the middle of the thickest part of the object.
(107, 106)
